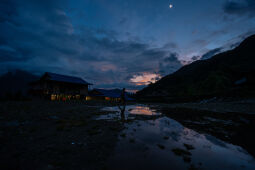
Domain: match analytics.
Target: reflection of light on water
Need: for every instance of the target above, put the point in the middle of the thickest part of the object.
(208, 152)
(130, 112)
(147, 133)
(142, 110)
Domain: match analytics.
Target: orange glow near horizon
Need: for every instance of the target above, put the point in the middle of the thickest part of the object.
(145, 79)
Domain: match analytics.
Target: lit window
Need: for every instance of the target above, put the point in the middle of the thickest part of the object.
(53, 97)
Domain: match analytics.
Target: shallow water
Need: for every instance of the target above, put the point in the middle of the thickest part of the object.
(160, 144)
(129, 112)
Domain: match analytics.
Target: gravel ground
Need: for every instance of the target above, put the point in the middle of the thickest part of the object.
(55, 135)
(220, 106)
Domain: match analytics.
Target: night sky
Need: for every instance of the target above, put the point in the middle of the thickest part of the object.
(117, 43)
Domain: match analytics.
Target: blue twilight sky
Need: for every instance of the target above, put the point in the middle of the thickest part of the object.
(117, 43)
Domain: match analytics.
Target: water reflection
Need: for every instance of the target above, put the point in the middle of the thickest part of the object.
(163, 143)
(142, 110)
(126, 112)
(122, 112)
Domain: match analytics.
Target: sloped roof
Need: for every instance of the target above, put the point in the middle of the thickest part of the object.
(64, 78)
(113, 93)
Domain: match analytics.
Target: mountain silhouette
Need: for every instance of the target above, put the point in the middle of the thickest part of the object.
(15, 83)
(228, 74)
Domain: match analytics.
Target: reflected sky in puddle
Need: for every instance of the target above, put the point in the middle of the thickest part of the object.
(151, 144)
(142, 110)
(130, 111)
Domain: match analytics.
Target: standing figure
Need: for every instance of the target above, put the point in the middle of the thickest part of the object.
(122, 97)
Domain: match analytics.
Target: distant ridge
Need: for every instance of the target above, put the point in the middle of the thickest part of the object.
(217, 76)
(16, 82)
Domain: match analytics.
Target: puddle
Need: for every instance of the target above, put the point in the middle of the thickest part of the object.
(163, 143)
(227, 122)
(142, 110)
(128, 112)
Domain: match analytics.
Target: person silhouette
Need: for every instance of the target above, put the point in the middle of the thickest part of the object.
(123, 103)
(123, 96)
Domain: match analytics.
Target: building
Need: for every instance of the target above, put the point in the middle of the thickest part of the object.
(59, 87)
(109, 95)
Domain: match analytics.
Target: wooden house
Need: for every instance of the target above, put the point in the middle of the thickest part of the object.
(60, 87)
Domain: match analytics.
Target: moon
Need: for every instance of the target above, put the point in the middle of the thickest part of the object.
(171, 6)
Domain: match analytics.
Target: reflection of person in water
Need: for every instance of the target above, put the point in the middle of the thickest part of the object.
(122, 112)
(123, 103)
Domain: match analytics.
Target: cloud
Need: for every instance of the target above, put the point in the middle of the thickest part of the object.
(211, 53)
(39, 36)
(240, 7)
(123, 21)
(170, 45)
(194, 58)
(145, 78)
(169, 64)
